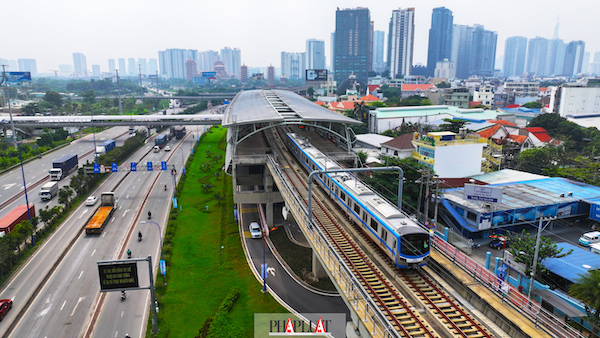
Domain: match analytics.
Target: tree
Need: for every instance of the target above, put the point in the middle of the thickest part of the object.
(53, 98)
(532, 104)
(360, 111)
(443, 84)
(586, 289)
(64, 195)
(522, 247)
(89, 96)
(453, 125)
(362, 156)
(310, 91)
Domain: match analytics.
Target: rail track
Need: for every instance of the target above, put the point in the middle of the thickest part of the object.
(449, 317)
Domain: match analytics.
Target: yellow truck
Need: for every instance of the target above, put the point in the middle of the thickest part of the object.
(100, 218)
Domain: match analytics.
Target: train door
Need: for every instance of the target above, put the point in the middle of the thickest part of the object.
(383, 238)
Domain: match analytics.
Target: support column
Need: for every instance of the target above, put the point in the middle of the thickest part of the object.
(80, 132)
(269, 214)
(317, 267)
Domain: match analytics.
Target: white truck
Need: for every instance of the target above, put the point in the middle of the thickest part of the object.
(48, 191)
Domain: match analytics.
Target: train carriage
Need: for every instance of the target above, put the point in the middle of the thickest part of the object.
(399, 236)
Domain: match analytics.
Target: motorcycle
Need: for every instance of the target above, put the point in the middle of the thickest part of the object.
(128, 253)
(149, 215)
(139, 236)
(123, 295)
(165, 187)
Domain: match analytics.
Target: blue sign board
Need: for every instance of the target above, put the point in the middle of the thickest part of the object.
(209, 74)
(174, 203)
(114, 167)
(263, 271)
(18, 77)
(163, 267)
(149, 166)
(133, 166)
(163, 165)
(96, 168)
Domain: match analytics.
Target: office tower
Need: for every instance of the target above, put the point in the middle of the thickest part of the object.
(331, 53)
(96, 70)
(232, 59)
(28, 65)
(401, 42)
(191, 71)
(131, 67)
(473, 51)
(293, 65)
(515, 50)
(585, 66)
(315, 54)
(79, 65)
(244, 73)
(142, 66)
(378, 49)
(440, 37)
(152, 66)
(172, 62)
(271, 74)
(122, 68)
(353, 47)
(111, 66)
(206, 60)
(574, 58)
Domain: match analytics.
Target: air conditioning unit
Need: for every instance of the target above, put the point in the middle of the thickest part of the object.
(562, 195)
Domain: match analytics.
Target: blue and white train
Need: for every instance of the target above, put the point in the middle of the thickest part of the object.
(400, 237)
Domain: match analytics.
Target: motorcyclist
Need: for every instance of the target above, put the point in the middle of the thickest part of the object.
(149, 215)
(140, 235)
(128, 253)
(123, 295)
(165, 186)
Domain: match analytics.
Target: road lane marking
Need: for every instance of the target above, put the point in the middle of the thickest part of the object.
(44, 311)
(61, 308)
(83, 213)
(113, 219)
(93, 252)
(125, 213)
(32, 177)
(127, 197)
(133, 188)
(103, 234)
(75, 308)
(81, 273)
(116, 333)
(122, 313)
(8, 186)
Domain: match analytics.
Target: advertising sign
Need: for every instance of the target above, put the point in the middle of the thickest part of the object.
(118, 276)
(483, 193)
(209, 74)
(18, 77)
(316, 75)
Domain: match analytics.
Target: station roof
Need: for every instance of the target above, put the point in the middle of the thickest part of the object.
(278, 106)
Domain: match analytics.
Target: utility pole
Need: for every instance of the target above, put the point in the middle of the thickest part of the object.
(141, 88)
(119, 92)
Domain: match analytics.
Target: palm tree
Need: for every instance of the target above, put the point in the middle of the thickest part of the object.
(586, 289)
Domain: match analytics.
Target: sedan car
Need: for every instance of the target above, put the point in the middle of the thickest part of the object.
(499, 243)
(5, 306)
(255, 230)
(167, 148)
(91, 200)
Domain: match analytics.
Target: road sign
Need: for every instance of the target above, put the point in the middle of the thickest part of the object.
(118, 276)
(149, 166)
(174, 202)
(102, 168)
(96, 168)
(133, 166)
(163, 165)
(114, 167)
(263, 270)
(163, 267)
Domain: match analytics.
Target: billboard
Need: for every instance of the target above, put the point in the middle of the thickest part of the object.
(118, 276)
(258, 76)
(209, 74)
(483, 193)
(18, 77)
(316, 75)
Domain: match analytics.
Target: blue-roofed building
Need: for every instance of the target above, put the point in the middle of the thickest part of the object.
(567, 270)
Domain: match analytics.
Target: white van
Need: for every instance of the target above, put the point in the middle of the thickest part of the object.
(589, 238)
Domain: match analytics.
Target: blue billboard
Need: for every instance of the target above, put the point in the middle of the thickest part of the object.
(18, 77)
(209, 74)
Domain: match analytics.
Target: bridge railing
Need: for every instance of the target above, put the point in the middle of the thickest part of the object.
(347, 284)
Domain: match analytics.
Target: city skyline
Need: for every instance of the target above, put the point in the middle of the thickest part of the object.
(84, 27)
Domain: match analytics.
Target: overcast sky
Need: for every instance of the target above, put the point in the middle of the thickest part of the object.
(50, 31)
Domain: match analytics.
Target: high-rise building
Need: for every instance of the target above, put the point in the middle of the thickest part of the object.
(331, 53)
(122, 69)
(353, 47)
(537, 52)
(111, 66)
(473, 51)
(142, 66)
(293, 65)
(152, 67)
(131, 67)
(79, 65)
(440, 37)
(244, 73)
(378, 50)
(232, 59)
(574, 58)
(172, 62)
(28, 65)
(555, 59)
(401, 39)
(515, 50)
(207, 60)
(191, 71)
(271, 74)
(315, 54)
(96, 70)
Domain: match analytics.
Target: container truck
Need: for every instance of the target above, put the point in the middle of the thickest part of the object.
(105, 147)
(100, 218)
(49, 190)
(160, 140)
(15, 216)
(179, 132)
(63, 167)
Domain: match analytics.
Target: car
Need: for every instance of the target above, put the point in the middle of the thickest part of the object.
(156, 149)
(255, 230)
(499, 243)
(167, 148)
(91, 200)
(5, 306)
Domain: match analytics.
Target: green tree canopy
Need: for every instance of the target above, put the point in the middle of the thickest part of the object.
(89, 96)
(453, 125)
(587, 289)
(522, 247)
(533, 104)
(53, 98)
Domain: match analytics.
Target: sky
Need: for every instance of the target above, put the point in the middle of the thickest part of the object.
(50, 31)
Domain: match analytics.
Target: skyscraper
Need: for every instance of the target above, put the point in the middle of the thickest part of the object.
(191, 70)
(293, 65)
(440, 37)
(555, 59)
(473, 50)
(515, 50)
(353, 47)
(152, 67)
(537, 52)
(122, 68)
(96, 70)
(142, 66)
(401, 42)
(315, 54)
(111, 66)
(574, 58)
(378, 51)
(79, 65)
(232, 59)
(271, 74)
(172, 62)
(131, 67)
(28, 65)
(207, 59)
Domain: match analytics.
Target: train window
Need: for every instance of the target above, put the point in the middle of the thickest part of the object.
(364, 217)
(357, 208)
(343, 196)
(384, 234)
(414, 244)
(394, 245)
(374, 224)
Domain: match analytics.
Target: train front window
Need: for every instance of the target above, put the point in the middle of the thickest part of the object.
(414, 244)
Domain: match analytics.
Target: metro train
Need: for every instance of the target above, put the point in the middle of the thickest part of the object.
(400, 237)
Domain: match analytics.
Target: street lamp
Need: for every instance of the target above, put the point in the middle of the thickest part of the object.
(159, 236)
(537, 249)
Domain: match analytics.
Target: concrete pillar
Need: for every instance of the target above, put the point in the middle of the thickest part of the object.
(446, 233)
(317, 268)
(80, 132)
(488, 258)
(497, 265)
(269, 214)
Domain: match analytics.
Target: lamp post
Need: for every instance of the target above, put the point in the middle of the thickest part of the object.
(160, 239)
(537, 249)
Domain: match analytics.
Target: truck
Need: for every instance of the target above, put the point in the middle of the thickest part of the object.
(14, 217)
(171, 133)
(179, 132)
(63, 167)
(49, 190)
(160, 140)
(97, 222)
(105, 147)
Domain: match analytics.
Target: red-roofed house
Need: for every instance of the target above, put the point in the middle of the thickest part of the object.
(496, 132)
(373, 88)
(415, 89)
(540, 133)
(503, 122)
(342, 106)
(370, 98)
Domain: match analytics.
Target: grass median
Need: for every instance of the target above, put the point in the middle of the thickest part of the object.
(211, 291)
